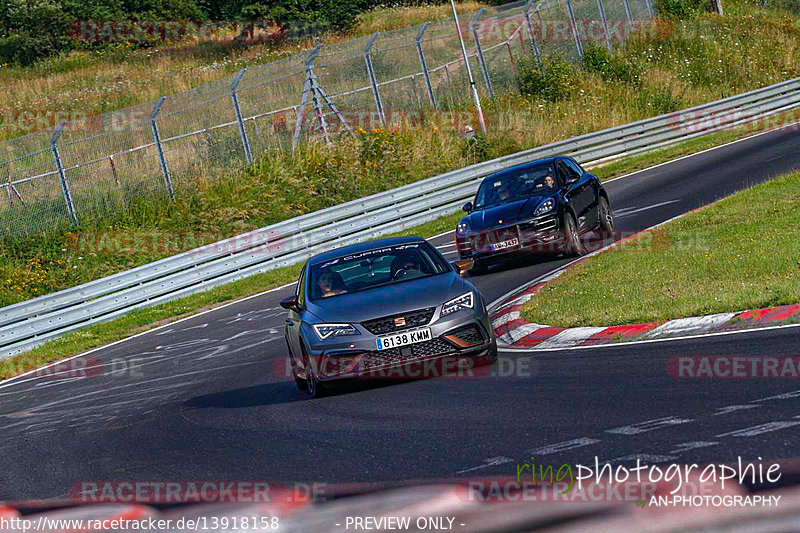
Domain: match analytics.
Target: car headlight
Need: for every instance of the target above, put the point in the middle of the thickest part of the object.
(545, 207)
(462, 228)
(324, 331)
(465, 301)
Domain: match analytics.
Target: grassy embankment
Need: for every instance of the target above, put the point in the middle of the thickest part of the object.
(742, 252)
(751, 46)
(748, 48)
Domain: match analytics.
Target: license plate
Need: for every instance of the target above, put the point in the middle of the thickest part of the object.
(505, 244)
(403, 339)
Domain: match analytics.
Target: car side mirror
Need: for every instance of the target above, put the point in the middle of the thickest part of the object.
(467, 207)
(463, 266)
(291, 303)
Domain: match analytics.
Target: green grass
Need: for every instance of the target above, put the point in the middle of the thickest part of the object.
(752, 46)
(742, 252)
(145, 319)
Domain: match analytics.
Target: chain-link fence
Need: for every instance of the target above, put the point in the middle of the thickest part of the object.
(98, 168)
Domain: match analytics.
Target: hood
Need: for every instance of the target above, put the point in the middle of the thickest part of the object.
(391, 299)
(509, 213)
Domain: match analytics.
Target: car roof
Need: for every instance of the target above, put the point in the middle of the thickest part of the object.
(362, 247)
(522, 166)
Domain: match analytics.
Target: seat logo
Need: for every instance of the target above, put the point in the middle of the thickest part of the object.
(400, 322)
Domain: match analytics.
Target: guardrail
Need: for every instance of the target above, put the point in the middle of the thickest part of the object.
(30, 323)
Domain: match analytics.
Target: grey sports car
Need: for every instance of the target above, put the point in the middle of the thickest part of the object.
(386, 308)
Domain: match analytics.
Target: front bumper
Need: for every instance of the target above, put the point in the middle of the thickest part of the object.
(358, 357)
(542, 235)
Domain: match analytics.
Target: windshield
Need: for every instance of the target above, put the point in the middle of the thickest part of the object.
(510, 186)
(374, 268)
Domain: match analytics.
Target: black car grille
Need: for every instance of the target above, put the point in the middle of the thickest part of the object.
(398, 356)
(485, 239)
(469, 335)
(386, 324)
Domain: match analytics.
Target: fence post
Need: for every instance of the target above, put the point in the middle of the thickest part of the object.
(248, 154)
(372, 79)
(301, 111)
(473, 26)
(602, 10)
(114, 169)
(160, 148)
(628, 13)
(574, 24)
(61, 175)
(716, 7)
(534, 45)
(650, 8)
(424, 63)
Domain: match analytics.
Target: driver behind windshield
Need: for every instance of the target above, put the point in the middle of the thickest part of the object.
(406, 265)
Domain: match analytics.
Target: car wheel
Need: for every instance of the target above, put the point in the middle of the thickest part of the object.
(605, 216)
(491, 357)
(302, 384)
(314, 388)
(479, 269)
(572, 245)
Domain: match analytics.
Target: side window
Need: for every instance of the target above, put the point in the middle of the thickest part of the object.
(566, 171)
(301, 287)
(574, 167)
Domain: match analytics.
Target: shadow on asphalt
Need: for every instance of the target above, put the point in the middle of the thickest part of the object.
(281, 393)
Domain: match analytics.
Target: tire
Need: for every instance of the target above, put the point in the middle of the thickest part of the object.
(491, 357)
(302, 386)
(314, 388)
(573, 247)
(479, 269)
(605, 216)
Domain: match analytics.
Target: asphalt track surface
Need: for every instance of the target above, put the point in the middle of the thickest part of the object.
(209, 398)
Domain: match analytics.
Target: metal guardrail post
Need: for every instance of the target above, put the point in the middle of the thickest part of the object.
(602, 10)
(160, 147)
(473, 26)
(372, 79)
(574, 24)
(534, 45)
(248, 154)
(61, 175)
(424, 64)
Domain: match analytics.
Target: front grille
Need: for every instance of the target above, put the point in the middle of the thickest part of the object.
(398, 356)
(386, 324)
(483, 241)
(469, 335)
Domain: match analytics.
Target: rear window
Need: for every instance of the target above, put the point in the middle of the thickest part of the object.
(374, 268)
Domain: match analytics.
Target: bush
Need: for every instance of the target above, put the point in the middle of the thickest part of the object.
(681, 9)
(554, 81)
(658, 100)
(30, 29)
(609, 66)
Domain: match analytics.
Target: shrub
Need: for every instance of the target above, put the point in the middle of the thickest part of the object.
(554, 81)
(609, 66)
(658, 100)
(681, 9)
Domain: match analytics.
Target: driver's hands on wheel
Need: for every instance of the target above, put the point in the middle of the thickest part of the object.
(407, 269)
